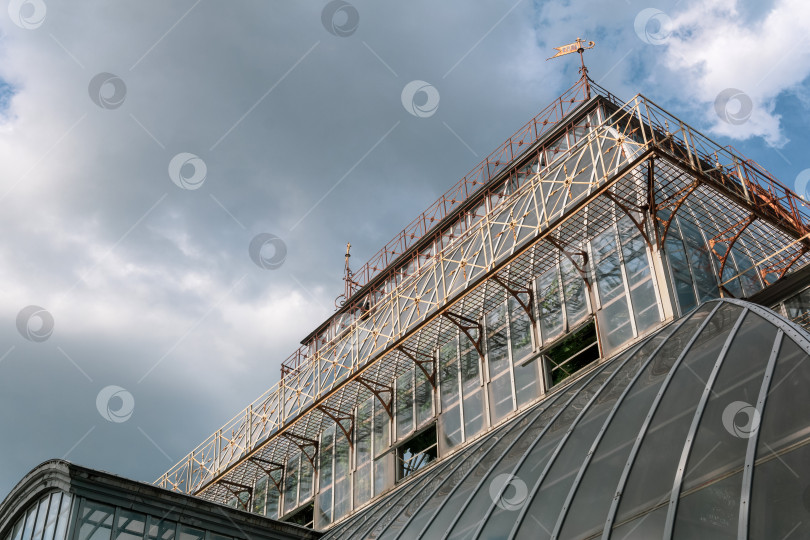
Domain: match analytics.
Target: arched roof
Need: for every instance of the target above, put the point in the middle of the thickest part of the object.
(700, 431)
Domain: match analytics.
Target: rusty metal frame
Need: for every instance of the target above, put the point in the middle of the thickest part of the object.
(339, 417)
(582, 267)
(263, 464)
(515, 292)
(722, 238)
(627, 207)
(377, 388)
(413, 355)
(465, 324)
(232, 488)
(303, 443)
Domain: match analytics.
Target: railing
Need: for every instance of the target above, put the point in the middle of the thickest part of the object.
(398, 314)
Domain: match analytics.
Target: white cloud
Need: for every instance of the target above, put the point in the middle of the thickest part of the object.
(716, 48)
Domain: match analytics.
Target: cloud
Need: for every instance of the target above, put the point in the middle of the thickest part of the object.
(715, 47)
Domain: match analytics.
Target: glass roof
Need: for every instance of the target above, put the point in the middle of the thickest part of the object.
(684, 435)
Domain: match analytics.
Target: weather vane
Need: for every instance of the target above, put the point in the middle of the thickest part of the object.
(579, 46)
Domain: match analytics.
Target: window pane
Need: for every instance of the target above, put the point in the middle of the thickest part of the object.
(681, 276)
(362, 484)
(30, 517)
(323, 516)
(472, 393)
(405, 404)
(42, 512)
(383, 472)
(291, 483)
(53, 513)
(779, 493)
(342, 486)
(450, 418)
(260, 496)
(500, 377)
(575, 292)
(130, 525)
(549, 304)
(95, 521)
(424, 398)
(306, 476)
(382, 429)
(160, 529)
(190, 533)
(520, 331)
(16, 534)
(64, 517)
(273, 495)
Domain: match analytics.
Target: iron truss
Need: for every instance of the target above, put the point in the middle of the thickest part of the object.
(640, 161)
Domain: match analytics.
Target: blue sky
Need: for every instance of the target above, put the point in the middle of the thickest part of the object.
(147, 143)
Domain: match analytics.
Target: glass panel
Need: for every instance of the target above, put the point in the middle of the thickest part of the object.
(291, 483)
(549, 304)
(129, 525)
(472, 392)
(575, 291)
(160, 529)
(382, 433)
(535, 457)
(362, 484)
(681, 275)
(383, 472)
(649, 525)
(16, 534)
(639, 278)
(273, 495)
(190, 533)
(651, 478)
(30, 517)
(53, 513)
(362, 432)
(590, 505)
(95, 521)
(475, 487)
(500, 376)
(546, 505)
(798, 308)
(450, 418)
(721, 440)
(424, 398)
(787, 392)
(306, 477)
(779, 502)
(260, 496)
(520, 330)
(404, 404)
(342, 486)
(703, 273)
(64, 518)
(42, 512)
(323, 516)
(712, 511)
(433, 494)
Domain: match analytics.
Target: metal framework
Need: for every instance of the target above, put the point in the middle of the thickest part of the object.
(575, 171)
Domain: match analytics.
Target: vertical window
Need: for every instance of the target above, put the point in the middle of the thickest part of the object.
(404, 412)
(550, 303)
(291, 483)
(306, 476)
(53, 512)
(259, 496)
(325, 479)
(450, 418)
(362, 452)
(472, 393)
(423, 398)
(527, 376)
(614, 315)
(500, 376)
(273, 494)
(342, 487)
(64, 517)
(639, 276)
